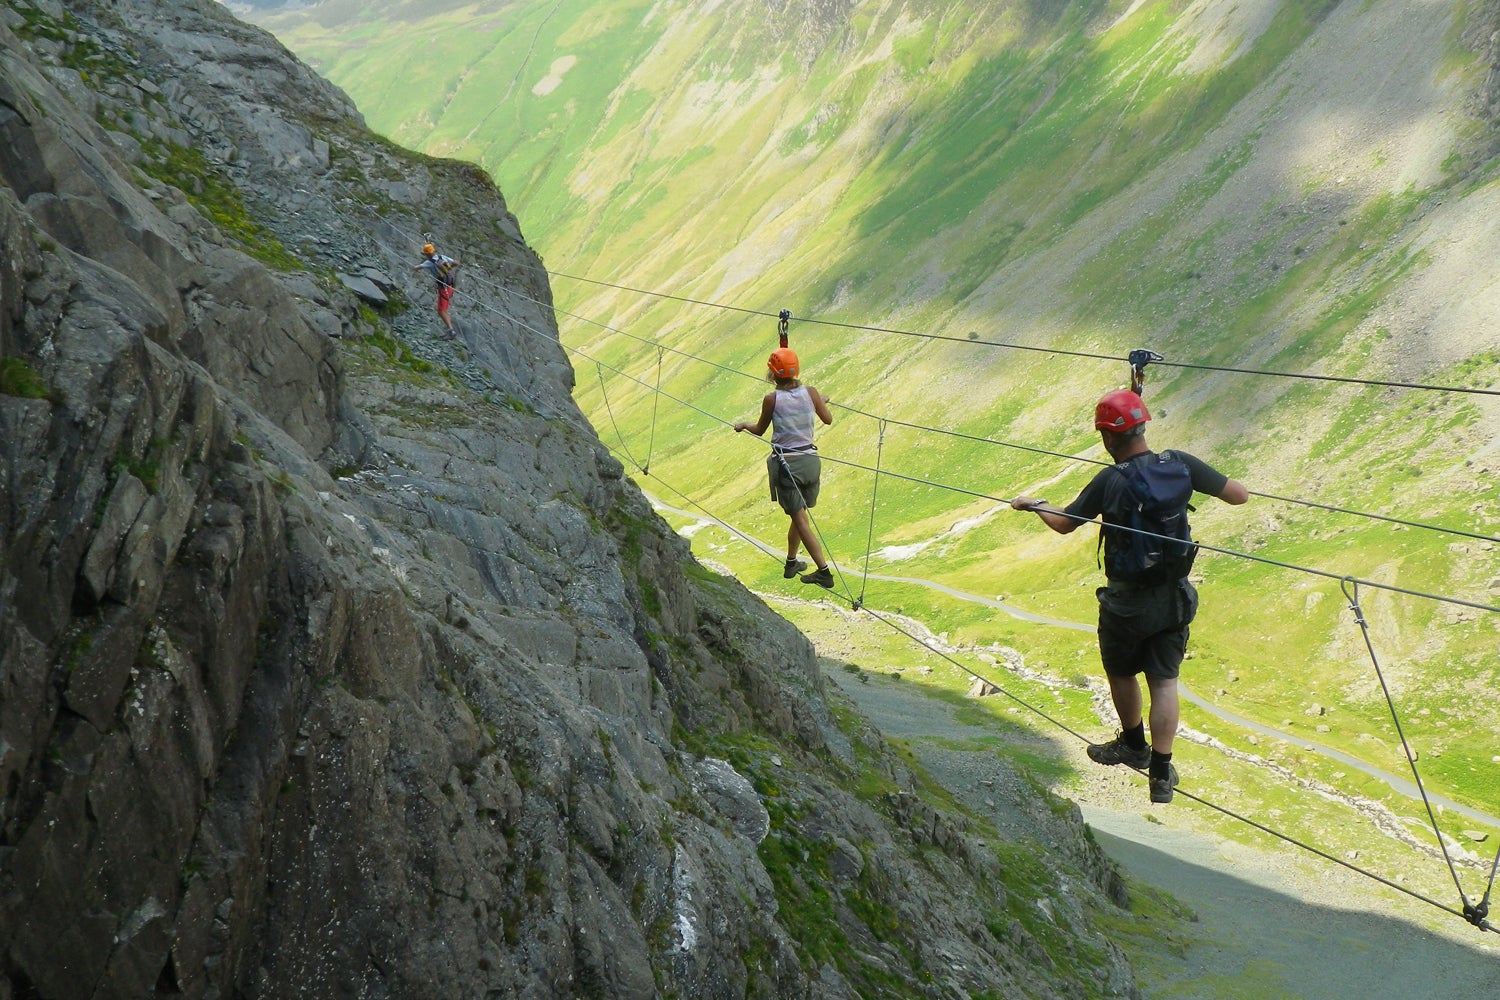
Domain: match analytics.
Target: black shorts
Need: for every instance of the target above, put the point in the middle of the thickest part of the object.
(1145, 630)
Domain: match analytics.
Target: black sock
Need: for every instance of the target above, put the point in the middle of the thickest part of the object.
(1160, 765)
(1135, 736)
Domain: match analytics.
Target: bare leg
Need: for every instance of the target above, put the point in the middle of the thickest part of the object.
(1125, 692)
(1163, 712)
(802, 529)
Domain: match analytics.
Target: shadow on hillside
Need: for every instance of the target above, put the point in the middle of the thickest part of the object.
(1255, 928)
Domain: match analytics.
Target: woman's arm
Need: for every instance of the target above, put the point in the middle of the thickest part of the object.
(767, 407)
(820, 405)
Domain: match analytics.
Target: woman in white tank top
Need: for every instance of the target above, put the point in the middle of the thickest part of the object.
(794, 468)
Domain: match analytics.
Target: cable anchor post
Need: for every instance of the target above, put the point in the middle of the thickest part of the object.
(1478, 913)
(783, 320)
(1139, 359)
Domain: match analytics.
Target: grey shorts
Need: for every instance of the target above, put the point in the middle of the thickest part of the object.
(794, 479)
(1145, 631)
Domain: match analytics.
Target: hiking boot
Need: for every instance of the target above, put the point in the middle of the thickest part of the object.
(1117, 751)
(1161, 788)
(822, 577)
(793, 567)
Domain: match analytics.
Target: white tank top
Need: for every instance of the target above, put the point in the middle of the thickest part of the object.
(792, 420)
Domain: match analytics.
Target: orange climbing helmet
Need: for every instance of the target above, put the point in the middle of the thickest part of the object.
(783, 363)
(1120, 411)
(429, 249)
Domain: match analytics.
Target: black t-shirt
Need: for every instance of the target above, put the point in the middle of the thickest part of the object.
(1106, 493)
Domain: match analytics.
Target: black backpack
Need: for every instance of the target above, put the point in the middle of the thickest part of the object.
(1157, 491)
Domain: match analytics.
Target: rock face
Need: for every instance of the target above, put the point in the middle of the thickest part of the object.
(338, 660)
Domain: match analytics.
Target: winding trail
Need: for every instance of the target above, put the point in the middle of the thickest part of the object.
(1397, 783)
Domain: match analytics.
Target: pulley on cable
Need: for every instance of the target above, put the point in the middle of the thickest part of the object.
(1139, 359)
(782, 321)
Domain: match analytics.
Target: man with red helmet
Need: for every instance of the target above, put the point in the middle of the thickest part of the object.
(1143, 626)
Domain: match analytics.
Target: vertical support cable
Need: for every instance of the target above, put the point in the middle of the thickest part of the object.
(870, 535)
(610, 410)
(655, 398)
(1350, 586)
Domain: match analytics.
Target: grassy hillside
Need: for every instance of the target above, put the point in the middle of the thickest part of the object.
(1305, 186)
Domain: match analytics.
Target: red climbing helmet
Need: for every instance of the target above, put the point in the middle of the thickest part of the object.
(783, 363)
(1120, 411)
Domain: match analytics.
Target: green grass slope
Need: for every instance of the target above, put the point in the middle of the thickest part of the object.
(1026, 190)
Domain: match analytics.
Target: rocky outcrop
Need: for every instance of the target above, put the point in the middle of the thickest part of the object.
(337, 660)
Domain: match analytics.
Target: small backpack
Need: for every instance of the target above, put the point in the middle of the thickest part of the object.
(1157, 491)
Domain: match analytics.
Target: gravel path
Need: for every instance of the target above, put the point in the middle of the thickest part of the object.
(1267, 928)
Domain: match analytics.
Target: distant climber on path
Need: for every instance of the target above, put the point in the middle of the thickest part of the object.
(794, 467)
(1147, 603)
(441, 267)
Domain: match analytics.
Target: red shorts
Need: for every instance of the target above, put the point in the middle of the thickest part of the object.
(445, 297)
